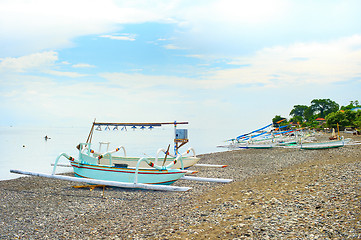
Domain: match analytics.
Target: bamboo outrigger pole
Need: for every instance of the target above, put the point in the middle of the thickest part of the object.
(105, 182)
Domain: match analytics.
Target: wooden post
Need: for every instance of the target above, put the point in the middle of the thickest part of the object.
(91, 133)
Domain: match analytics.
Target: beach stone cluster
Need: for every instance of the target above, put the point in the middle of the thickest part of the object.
(277, 193)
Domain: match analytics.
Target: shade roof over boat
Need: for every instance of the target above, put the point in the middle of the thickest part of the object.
(137, 124)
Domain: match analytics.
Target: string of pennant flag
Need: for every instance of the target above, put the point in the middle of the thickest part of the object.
(107, 125)
(124, 128)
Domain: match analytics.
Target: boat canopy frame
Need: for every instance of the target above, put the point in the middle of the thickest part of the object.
(145, 124)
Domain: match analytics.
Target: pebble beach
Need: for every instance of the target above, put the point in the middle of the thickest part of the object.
(278, 193)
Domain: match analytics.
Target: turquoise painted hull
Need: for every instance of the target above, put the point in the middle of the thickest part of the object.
(120, 174)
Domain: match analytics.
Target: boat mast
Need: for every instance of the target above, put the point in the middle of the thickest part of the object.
(91, 133)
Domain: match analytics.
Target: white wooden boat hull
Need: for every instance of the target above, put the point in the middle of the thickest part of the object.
(258, 146)
(323, 145)
(132, 161)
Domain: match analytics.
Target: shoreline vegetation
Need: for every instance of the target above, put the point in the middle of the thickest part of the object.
(325, 113)
(276, 193)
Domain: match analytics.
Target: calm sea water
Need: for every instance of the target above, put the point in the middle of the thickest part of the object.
(26, 148)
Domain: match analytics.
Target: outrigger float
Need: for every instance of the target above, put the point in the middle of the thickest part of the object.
(145, 173)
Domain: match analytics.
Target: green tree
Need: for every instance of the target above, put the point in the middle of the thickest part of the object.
(353, 104)
(299, 111)
(323, 107)
(313, 124)
(308, 115)
(343, 119)
(350, 116)
(357, 121)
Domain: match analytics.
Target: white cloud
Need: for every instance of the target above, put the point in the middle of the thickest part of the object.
(75, 101)
(280, 66)
(172, 47)
(207, 28)
(297, 64)
(30, 62)
(33, 26)
(214, 27)
(124, 37)
(137, 81)
(65, 74)
(243, 11)
(83, 65)
(230, 28)
(41, 24)
(43, 62)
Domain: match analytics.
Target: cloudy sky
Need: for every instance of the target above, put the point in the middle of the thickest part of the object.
(214, 63)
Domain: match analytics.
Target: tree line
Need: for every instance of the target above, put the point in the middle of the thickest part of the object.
(324, 113)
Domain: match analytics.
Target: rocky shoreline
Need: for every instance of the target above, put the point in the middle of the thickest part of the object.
(276, 193)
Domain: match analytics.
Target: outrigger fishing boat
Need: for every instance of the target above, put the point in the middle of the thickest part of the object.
(180, 139)
(104, 169)
(87, 166)
(263, 139)
(323, 145)
(340, 142)
(189, 157)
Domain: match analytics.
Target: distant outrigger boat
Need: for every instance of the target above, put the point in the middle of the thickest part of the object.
(262, 139)
(323, 145)
(326, 145)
